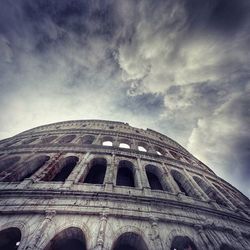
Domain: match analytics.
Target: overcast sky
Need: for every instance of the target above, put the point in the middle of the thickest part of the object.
(181, 67)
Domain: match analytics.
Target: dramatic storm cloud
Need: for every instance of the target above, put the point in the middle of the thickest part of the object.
(179, 67)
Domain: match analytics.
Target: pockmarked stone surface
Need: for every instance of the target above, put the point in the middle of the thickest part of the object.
(93, 184)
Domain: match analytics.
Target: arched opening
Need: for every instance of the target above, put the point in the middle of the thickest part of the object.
(175, 155)
(142, 149)
(67, 139)
(125, 175)
(30, 167)
(97, 170)
(226, 247)
(210, 191)
(71, 238)
(124, 145)
(65, 168)
(107, 143)
(159, 150)
(87, 139)
(153, 178)
(182, 243)
(5, 164)
(29, 140)
(183, 184)
(130, 241)
(26, 169)
(10, 238)
(49, 139)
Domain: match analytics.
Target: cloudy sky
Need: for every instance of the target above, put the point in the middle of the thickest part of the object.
(180, 67)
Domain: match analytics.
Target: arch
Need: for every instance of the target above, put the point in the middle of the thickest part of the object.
(130, 241)
(225, 193)
(97, 170)
(159, 151)
(9, 162)
(71, 238)
(66, 165)
(31, 167)
(107, 141)
(143, 147)
(10, 238)
(124, 143)
(183, 184)
(125, 174)
(48, 139)
(226, 247)
(67, 139)
(153, 174)
(182, 243)
(175, 155)
(87, 139)
(29, 140)
(210, 191)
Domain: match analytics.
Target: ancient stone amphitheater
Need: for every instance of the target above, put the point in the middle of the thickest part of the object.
(96, 184)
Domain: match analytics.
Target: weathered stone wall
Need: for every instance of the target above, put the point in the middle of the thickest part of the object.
(190, 200)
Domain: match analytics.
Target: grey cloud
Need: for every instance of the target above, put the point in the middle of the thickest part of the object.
(180, 67)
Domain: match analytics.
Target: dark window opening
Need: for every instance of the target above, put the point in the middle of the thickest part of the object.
(28, 141)
(5, 164)
(67, 139)
(226, 247)
(49, 139)
(69, 239)
(89, 139)
(67, 166)
(32, 166)
(97, 171)
(154, 182)
(210, 191)
(125, 177)
(130, 241)
(182, 189)
(10, 238)
(182, 243)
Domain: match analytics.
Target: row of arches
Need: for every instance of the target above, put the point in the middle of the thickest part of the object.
(126, 175)
(107, 141)
(73, 238)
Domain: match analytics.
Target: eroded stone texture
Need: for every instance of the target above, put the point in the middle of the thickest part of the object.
(70, 186)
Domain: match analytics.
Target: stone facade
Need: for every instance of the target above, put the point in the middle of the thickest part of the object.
(96, 184)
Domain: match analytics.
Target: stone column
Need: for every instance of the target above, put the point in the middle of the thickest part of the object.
(133, 145)
(241, 240)
(116, 142)
(170, 180)
(109, 177)
(97, 140)
(77, 173)
(34, 242)
(202, 195)
(203, 236)
(154, 235)
(144, 180)
(101, 232)
(229, 204)
(213, 238)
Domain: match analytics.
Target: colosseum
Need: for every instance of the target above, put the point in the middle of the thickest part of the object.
(93, 184)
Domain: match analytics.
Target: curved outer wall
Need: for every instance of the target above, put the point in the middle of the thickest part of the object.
(153, 194)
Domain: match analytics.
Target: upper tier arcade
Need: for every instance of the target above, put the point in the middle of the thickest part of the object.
(94, 184)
